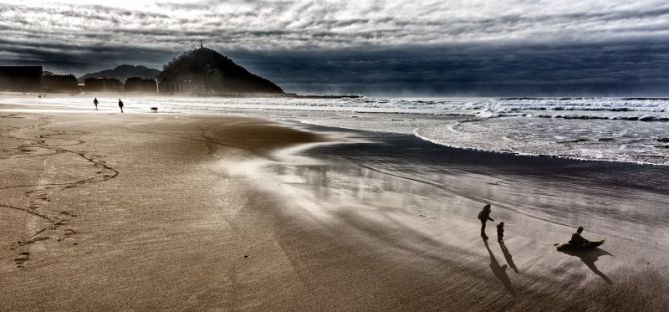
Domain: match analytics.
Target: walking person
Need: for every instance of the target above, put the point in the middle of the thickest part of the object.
(95, 102)
(484, 216)
(120, 105)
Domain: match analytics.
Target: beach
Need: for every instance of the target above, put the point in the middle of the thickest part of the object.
(221, 212)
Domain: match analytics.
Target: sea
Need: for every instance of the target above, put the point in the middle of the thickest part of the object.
(632, 130)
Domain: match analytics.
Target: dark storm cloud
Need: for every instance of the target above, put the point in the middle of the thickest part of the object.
(587, 69)
(78, 59)
(471, 46)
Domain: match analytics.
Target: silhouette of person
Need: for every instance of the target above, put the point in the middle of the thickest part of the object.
(95, 102)
(484, 216)
(120, 105)
(500, 232)
(577, 239)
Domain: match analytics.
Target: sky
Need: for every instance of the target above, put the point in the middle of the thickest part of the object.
(422, 48)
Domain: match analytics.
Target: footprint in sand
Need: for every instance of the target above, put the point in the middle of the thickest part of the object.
(67, 213)
(31, 240)
(21, 259)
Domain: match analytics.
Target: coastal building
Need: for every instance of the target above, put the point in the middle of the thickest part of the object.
(136, 84)
(59, 83)
(21, 78)
(185, 86)
(103, 85)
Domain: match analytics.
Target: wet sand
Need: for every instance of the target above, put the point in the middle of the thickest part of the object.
(184, 212)
(416, 203)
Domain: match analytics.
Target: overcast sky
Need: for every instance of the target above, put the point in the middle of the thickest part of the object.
(469, 47)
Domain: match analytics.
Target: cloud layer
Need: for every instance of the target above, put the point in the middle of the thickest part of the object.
(437, 46)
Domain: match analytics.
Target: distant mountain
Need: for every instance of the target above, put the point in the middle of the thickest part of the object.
(216, 73)
(124, 72)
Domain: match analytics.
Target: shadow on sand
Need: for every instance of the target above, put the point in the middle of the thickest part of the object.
(589, 257)
(508, 257)
(499, 271)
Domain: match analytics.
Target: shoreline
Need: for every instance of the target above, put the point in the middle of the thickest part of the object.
(629, 154)
(20, 108)
(546, 164)
(518, 154)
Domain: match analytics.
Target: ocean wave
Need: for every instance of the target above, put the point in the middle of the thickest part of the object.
(591, 117)
(569, 139)
(638, 162)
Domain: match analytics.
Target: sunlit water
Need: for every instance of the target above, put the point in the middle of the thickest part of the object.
(610, 129)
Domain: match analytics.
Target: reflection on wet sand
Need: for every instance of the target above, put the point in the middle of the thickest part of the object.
(589, 257)
(419, 209)
(499, 271)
